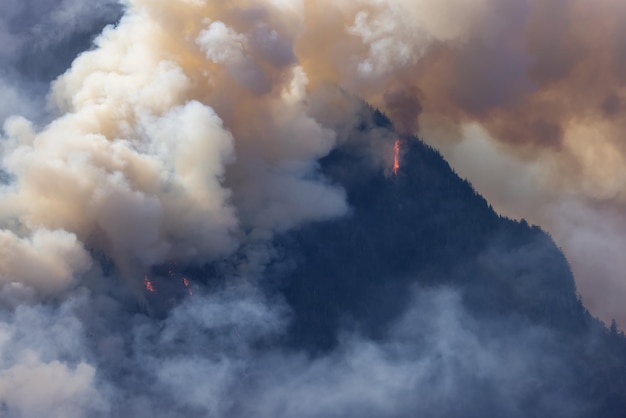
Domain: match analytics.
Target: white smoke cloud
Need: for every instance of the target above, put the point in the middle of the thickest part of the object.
(60, 391)
(173, 140)
(46, 261)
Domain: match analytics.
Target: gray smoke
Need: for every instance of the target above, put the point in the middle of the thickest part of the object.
(213, 356)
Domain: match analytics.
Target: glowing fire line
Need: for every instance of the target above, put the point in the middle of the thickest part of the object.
(396, 157)
(186, 283)
(148, 284)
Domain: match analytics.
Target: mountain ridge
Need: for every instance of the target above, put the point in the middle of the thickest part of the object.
(426, 228)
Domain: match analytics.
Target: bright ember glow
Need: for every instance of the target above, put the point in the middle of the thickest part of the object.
(396, 157)
(148, 285)
(186, 282)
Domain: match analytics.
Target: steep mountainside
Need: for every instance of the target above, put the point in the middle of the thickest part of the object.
(425, 228)
(422, 282)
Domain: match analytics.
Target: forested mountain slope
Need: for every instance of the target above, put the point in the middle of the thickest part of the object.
(425, 228)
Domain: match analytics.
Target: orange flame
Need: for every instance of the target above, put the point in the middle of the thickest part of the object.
(186, 283)
(396, 157)
(148, 285)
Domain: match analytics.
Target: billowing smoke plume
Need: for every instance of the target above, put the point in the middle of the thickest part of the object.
(185, 130)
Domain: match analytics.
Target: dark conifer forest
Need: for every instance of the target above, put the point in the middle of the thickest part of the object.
(426, 228)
